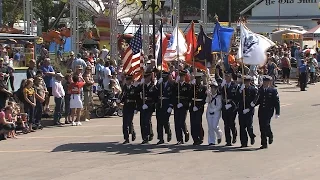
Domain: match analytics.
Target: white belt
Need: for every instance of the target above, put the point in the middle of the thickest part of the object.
(197, 99)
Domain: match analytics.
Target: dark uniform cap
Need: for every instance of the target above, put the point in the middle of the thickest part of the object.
(267, 78)
(228, 73)
(165, 74)
(147, 73)
(247, 78)
(182, 72)
(198, 75)
(129, 77)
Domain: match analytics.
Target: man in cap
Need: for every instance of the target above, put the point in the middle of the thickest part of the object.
(129, 98)
(198, 100)
(181, 106)
(268, 103)
(164, 107)
(303, 69)
(247, 95)
(78, 61)
(213, 114)
(149, 97)
(229, 111)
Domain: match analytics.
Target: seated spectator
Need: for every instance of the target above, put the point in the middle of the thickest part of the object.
(6, 126)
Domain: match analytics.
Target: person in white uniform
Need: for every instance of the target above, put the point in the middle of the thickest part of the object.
(213, 114)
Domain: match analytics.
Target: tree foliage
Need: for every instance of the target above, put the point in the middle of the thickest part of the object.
(12, 11)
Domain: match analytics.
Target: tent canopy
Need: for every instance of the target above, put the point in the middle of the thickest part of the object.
(312, 34)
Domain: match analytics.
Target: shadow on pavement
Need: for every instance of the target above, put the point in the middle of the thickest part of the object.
(132, 149)
(293, 87)
(292, 91)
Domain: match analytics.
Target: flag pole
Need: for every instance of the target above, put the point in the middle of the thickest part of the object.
(160, 48)
(178, 56)
(194, 73)
(242, 67)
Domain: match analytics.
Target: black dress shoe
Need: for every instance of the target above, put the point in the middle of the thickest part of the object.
(169, 137)
(187, 137)
(200, 142)
(263, 147)
(212, 144)
(126, 141)
(179, 142)
(196, 143)
(144, 142)
(252, 141)
(219, 141)
(133, 136)
(151, 137)
(243, 146)
(270, 140)
(160, 142)
(234, 139)
(228, 144)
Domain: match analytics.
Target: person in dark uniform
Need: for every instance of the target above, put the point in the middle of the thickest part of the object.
(129, 98)
(246, 111)
(164, 107)
(268, 103)
(198, 100)
(181, 106)
(148, 107)
(229, 91)
(303, 69)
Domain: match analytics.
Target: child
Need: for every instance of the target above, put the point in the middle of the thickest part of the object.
(66, 84)
(58, 93)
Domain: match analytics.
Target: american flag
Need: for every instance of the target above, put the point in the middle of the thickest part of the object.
(132, 56)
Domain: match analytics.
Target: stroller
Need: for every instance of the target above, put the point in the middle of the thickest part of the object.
(109, 106)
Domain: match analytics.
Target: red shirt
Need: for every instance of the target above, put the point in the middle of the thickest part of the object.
(75, 88)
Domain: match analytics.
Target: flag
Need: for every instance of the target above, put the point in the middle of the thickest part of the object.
(191, 43)
(221, 39)
(177, 46)
(132, 56)
(253, 47)
(160, 50)
(203, 51)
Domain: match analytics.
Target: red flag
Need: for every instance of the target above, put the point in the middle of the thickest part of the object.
(191, 43)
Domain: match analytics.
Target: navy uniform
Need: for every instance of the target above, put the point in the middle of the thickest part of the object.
(164, 107)
(129, 98)
(246, 111)
(303, 69)
(181, 106)
(268, 103)
(229, 110)
(198, 100)
(147, 108)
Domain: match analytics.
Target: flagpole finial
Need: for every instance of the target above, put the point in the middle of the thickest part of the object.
(216, 18)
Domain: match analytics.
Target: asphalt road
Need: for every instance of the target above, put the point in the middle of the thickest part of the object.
(94, 151)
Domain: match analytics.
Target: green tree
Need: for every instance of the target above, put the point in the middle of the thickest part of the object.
(12, 11)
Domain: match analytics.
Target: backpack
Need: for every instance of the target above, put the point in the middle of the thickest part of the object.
(19, 95)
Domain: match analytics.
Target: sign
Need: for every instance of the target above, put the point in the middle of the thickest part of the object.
(269, 2)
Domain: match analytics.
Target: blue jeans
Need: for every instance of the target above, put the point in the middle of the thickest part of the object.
(38, 112)
(57, 109)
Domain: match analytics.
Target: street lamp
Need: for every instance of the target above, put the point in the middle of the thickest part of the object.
(153, 6)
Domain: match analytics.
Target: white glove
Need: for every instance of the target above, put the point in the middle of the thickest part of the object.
(177, 78)
(135, 84)
(223, 83)
(242, 87)
(135, 111)
(144, 107)
(228, 106)
(169, 110)
(142, 81)
(245, 111)
(179, 105)
(118, 101)
(193, 81)
(160, 80)
(277, 116)
(208, 92)
(195, 108)
(252, 104)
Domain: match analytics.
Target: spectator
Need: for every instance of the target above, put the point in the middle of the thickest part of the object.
(271, 70)
(78, 72)
(59, 54)
(313, 64)
(66, 84)
(75, 100)
(99, 72)
(58, 93)
(40, 98)
(19, 96)
(106, 75)
(78, 61)
(48, 72)
(95, 51)
(8, 73)
(31, 73)
(5, 93)
(286, 67)
(6, 126)
(87, 90)
(16, 58)
(70, 60)
(104, 52)
(30, 102)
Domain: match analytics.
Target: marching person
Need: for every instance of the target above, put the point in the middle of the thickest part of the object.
(181, 106)
(148, 107)
(303, 69)
(229, 110)
(164, 107)
(198, 100)
(129, 98)
(246, 111)
(268, 103)
(213, 114)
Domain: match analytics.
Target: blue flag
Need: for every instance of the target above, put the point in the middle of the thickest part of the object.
(221, 39)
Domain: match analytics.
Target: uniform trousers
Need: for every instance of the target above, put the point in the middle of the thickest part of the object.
(162, 122)
(229, 124)
(127, 121)
(264, 124)
(197, 132)
(303, 81)
(145, 123)
(180, 115)
(214, 130)
(246, 127)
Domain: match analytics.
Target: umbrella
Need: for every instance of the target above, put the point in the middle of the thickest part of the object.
(309, 51)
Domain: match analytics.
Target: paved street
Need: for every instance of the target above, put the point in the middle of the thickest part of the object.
(94, 151)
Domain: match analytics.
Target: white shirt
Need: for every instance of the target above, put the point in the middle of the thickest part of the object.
(57, 90)
(104, 53)
(106, 77)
